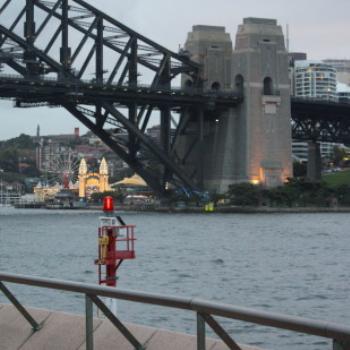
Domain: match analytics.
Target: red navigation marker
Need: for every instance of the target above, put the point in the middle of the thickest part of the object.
(108, 204)
(116, 243)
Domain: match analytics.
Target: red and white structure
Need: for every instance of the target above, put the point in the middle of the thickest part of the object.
(116, 243)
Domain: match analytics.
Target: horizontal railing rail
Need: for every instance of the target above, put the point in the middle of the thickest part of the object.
(205, 311)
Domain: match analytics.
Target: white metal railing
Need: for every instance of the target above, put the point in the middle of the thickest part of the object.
(205, 312)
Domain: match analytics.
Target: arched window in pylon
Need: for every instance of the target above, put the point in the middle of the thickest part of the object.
(268, 86)
(216, 86)
(188, 83)
(239, 84)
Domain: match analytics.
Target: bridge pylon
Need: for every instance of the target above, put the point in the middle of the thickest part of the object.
(250, 142)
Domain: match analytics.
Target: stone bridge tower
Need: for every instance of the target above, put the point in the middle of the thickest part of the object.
(200, 145)
(252, 142)
(260, 68)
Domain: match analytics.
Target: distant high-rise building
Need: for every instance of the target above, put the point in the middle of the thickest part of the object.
(312, 79)
(343, 69)
(315, 79)
(296, 56)
(293, 57)
(343, 92)
(76, 132)
(38, 149)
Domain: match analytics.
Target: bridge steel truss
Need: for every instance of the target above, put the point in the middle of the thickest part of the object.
(68, 53)
(317, 120)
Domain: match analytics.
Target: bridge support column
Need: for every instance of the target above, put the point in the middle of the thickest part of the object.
(252, 142)
(201, 157)
(314, 164)
(65, 51)
(202, 145)
(132, 82)
(29, 34)
(260, 67)
(165, 117)
(341, 345)
(165, 126)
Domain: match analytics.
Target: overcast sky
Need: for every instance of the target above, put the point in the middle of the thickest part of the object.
(319, 27)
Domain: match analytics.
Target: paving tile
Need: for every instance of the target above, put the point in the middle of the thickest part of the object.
(108, 337)
(60, 332)
(14, 328)
(221, 346)
(63, 331)
(175, 341)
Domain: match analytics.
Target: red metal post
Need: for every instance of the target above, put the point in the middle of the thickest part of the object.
(110, 255)
(111, 268)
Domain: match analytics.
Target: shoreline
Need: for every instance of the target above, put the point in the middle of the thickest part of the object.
(201, 210)
(242, 210)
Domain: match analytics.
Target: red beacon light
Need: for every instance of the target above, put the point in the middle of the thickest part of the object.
(116, 243)
(108, 205)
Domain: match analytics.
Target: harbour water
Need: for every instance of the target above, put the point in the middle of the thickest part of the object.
(298, 264)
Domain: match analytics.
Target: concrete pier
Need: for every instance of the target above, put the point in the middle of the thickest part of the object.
(63, 331)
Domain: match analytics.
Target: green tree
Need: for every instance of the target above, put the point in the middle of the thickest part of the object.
(342, 193)
(9, 159)
(338, 156)
(23, 141)
(299, 169)
(244, 194)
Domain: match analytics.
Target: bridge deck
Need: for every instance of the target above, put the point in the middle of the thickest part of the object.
(64, 331)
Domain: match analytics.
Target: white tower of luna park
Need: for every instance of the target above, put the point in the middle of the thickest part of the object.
(83, 170)
(104, 176)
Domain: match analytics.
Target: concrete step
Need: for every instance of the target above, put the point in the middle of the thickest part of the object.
(63, 331)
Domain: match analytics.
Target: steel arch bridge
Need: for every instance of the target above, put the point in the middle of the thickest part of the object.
(113, 80)
(70, 54)
(319, 120)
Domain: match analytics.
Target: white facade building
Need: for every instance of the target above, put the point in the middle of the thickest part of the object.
(316, 80)
(343, 69)
(343, 92)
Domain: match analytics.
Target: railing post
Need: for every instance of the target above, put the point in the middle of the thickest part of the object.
(116, 322)
(341, 345)
(35, 325)
(200, 332)
(89, 323)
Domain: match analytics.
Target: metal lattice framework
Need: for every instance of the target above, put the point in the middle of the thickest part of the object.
(114, 81)
(68, 53)
(319, 120)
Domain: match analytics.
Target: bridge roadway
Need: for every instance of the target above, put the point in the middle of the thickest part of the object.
(320, 120)
(54, 91)
(64, 331)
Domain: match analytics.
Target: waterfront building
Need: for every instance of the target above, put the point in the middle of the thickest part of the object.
(343, 92)
(134, 184)
(44, 192)
(316, 80)
(293, 57)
